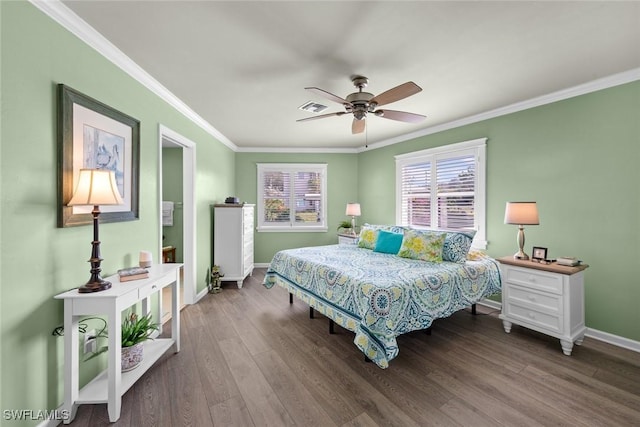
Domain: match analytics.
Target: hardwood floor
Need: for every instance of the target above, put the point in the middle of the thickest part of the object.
(249, 358)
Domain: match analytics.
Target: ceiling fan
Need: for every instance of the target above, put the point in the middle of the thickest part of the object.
(361, 103)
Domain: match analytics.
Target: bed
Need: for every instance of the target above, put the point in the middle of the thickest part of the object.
(380, 296)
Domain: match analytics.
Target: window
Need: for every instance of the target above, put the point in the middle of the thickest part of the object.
(443, 188)
(292, 197)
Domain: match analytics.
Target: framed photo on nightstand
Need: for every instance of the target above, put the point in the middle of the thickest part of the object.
(539, 254)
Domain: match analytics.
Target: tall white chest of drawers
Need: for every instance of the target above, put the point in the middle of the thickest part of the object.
(545, 298)
(233, 240)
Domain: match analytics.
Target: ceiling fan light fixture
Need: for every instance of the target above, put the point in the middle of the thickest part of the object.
(360, 114)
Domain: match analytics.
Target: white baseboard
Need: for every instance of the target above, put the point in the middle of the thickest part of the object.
(201, 294)
(491, 304)
(616, 340)
(261, 264)
(613, 339)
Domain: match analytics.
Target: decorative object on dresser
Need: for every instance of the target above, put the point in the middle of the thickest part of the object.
(233, 240)
(145, 259)
(548, 298)
(96, 187)
(521, 214)
(353, 210)
(133, 273)
(539, 254)
(568, 261)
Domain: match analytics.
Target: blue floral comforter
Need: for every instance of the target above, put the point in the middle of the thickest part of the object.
(380, 296)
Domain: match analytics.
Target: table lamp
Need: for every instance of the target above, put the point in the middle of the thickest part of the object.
(95, 187)
(521, 214)
(353, 210)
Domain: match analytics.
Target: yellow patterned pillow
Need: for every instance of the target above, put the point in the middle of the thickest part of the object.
(368, 238)
(422, 245)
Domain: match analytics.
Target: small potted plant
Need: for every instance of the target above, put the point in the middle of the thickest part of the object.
(135, 331)
(345, 226)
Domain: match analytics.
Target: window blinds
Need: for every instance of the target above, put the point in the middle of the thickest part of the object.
(439, 192)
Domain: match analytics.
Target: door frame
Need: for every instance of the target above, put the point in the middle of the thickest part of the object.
(188, 202)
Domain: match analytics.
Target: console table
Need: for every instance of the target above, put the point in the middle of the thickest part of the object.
(109, 386)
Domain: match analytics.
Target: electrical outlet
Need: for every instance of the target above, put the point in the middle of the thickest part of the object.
(90, 341)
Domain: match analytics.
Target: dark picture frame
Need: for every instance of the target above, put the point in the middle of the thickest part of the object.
(95, 136)
(539, 254)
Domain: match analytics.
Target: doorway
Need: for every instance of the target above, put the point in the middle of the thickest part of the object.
(184, 208)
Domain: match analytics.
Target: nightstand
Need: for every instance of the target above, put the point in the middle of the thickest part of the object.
(347, 239)
(548, 298)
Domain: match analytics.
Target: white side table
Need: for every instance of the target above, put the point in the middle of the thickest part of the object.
(347, 239)
(110, 385)
(546, 298)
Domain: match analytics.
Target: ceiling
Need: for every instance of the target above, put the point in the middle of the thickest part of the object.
(243, 66)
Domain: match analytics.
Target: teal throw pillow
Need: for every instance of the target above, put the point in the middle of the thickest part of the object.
(388, 242)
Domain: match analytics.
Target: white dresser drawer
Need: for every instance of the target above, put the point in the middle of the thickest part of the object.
(551, 303)
(148, 290)
(534, 279)
(347, 240)
(534, 318)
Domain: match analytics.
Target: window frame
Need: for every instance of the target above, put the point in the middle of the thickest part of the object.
(476, 147)
(291, 169)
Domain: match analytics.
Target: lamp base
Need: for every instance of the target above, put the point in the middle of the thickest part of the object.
(521, 255)
(94, 287)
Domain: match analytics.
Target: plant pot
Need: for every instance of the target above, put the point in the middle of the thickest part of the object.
(131, 357)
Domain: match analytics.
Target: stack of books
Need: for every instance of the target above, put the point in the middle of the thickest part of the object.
(133, 273)
(568, 261)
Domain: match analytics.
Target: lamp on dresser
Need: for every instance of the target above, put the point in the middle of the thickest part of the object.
(353, 210)
(95, 187)
(521, 214)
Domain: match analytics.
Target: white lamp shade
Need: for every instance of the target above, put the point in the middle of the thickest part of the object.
(96, 187)
(353, 209)
(521, 213)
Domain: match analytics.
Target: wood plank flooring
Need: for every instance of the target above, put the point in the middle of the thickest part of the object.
(249, 358)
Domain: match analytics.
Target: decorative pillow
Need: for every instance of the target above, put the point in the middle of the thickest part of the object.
(422, 245)
(368, 237)
(457, 245)
(388, 242)
(369, 234)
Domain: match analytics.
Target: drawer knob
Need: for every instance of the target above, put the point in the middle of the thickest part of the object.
(153, 287)
(532, 298)
(532, 315)
(532, 279)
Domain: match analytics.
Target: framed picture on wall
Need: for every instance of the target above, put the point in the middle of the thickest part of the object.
(92, 135)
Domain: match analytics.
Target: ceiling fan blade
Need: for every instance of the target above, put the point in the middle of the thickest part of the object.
(328, 95)
(357, 126)
(397, 93)
(322, 116)
(401, 116)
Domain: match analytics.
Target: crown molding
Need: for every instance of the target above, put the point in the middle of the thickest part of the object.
(298, 150)
(78, 27)
(592, 86)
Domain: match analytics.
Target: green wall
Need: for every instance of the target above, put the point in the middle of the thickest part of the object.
(342, 174)
(39, 260)
(578, 159)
